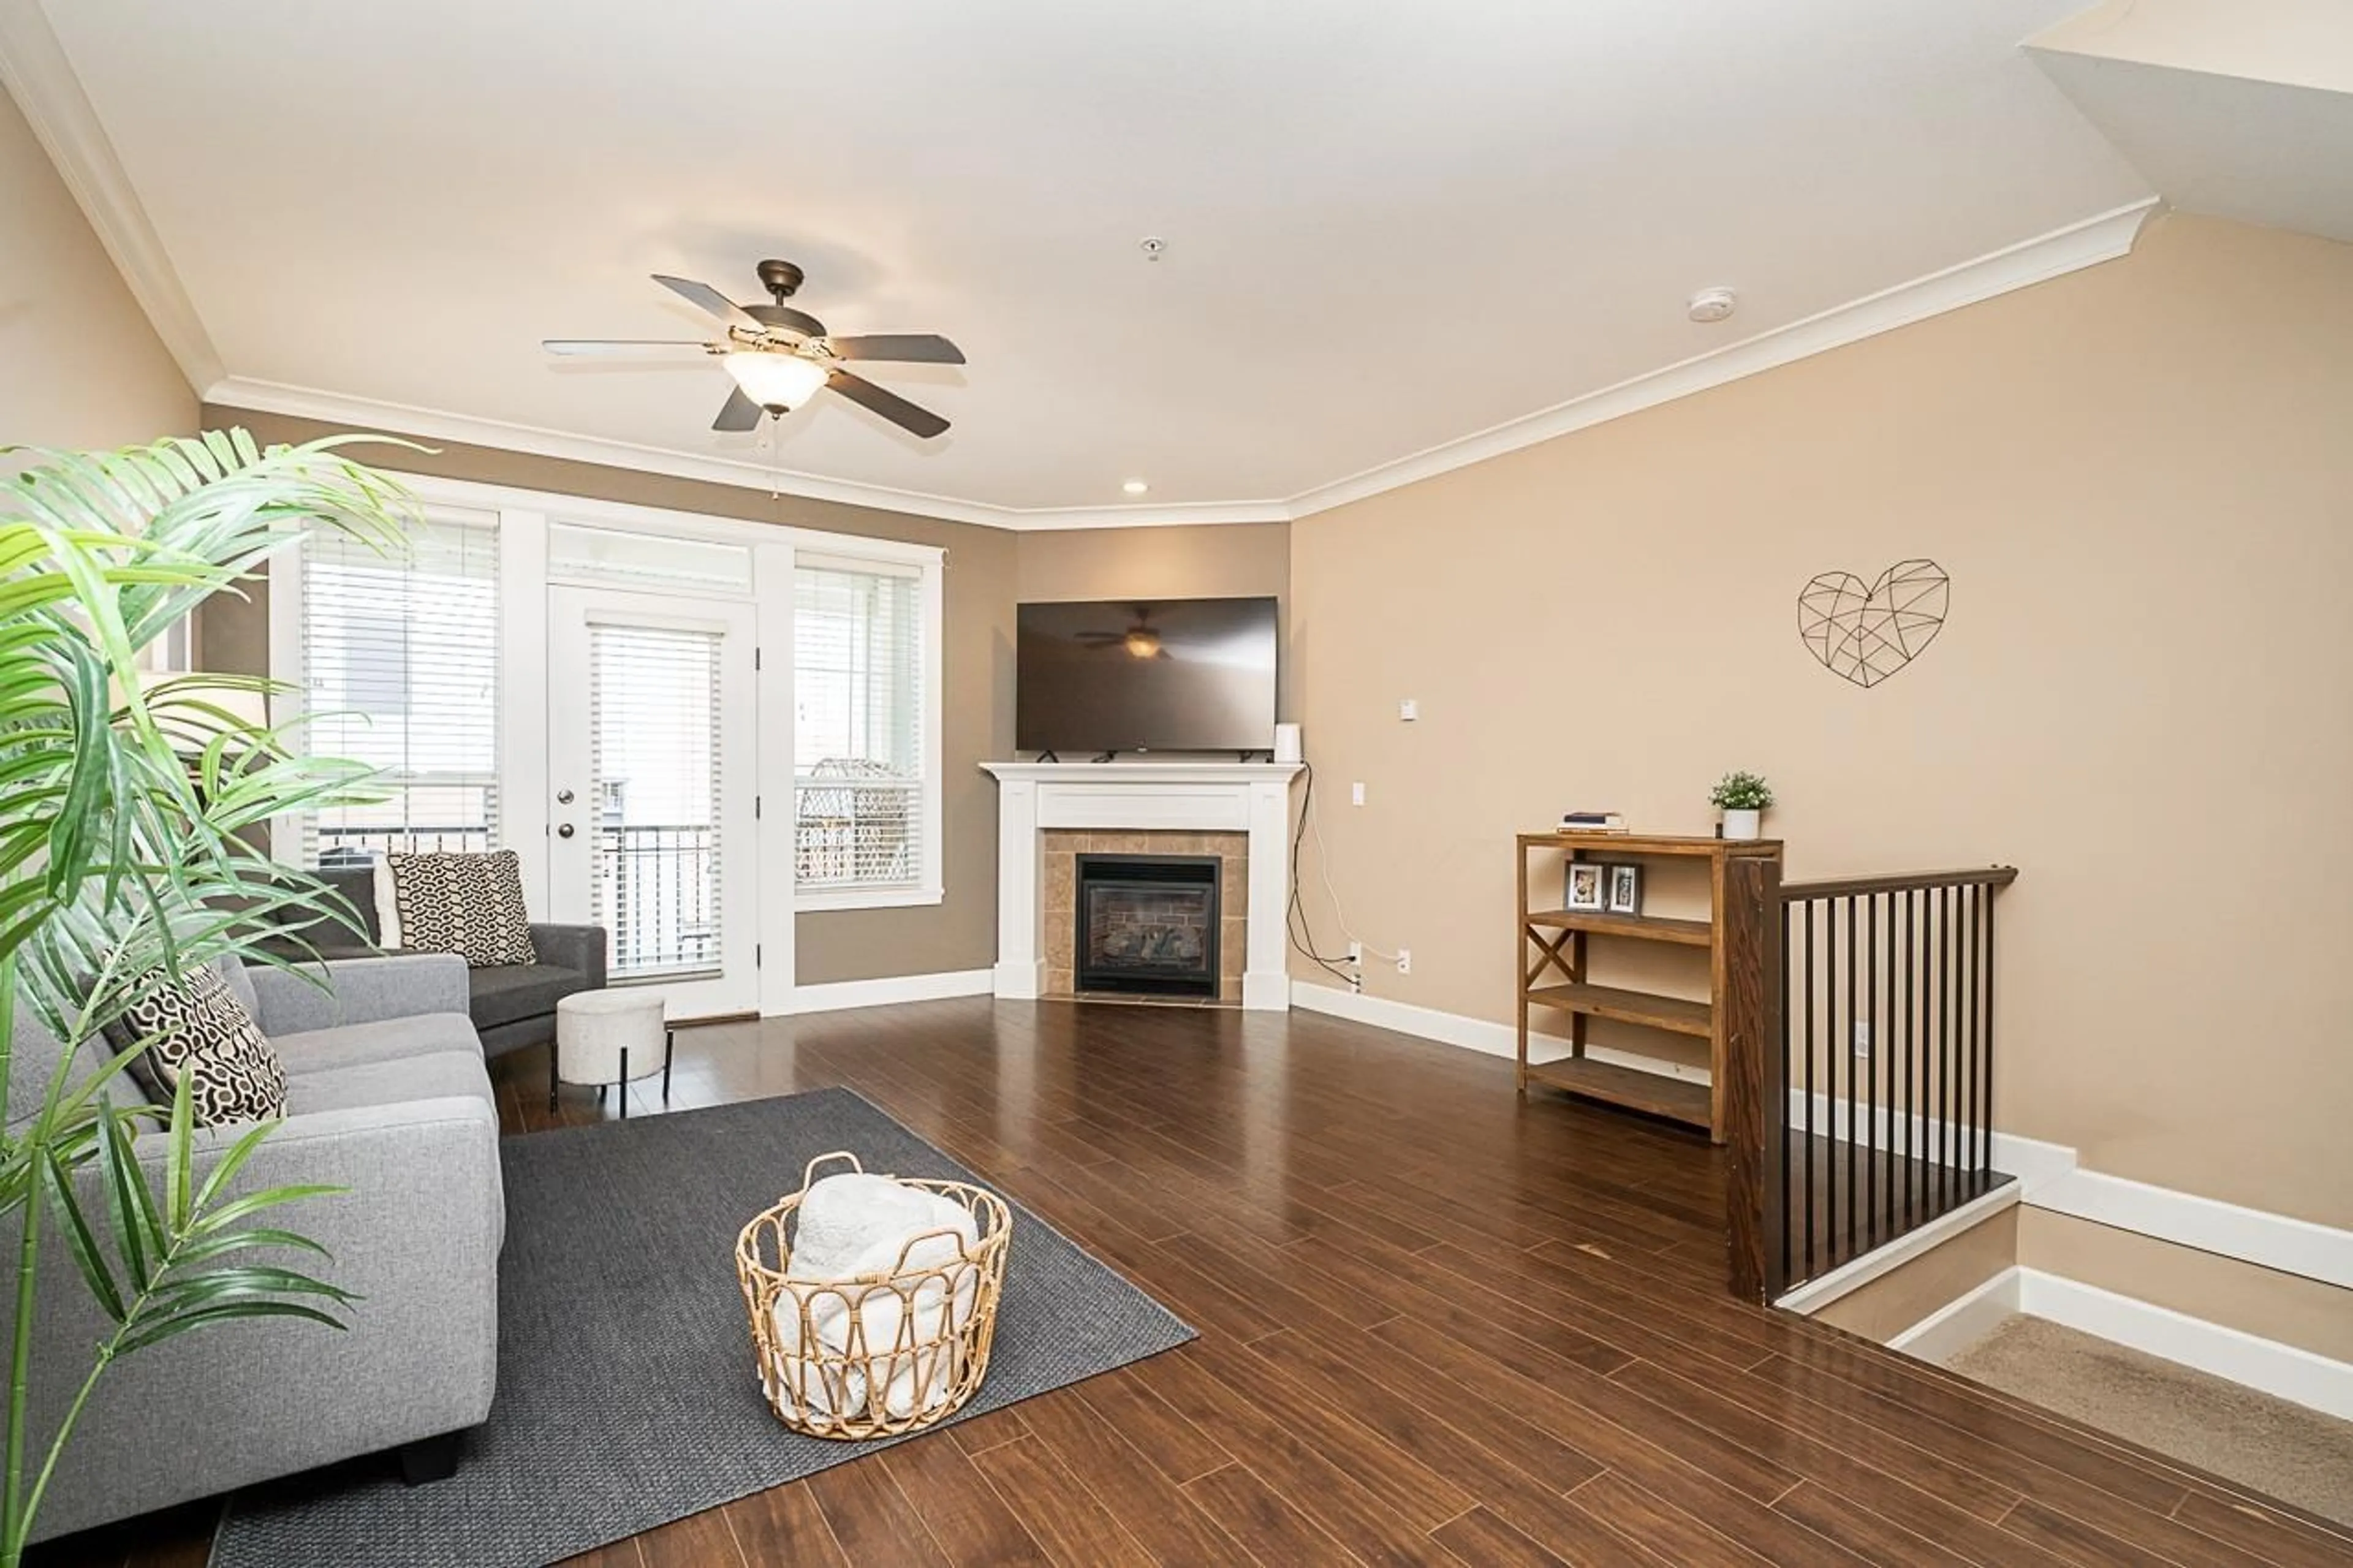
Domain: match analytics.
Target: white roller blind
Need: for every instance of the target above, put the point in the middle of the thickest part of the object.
(858, 722)
(400, 670)
(654, 755)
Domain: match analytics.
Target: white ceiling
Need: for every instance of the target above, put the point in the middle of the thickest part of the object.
(1389, 226)
(2244, 109)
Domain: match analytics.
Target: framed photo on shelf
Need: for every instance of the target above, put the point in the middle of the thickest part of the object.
(1622, 886)
(1584, 893)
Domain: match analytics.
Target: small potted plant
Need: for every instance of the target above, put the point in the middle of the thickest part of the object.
(1742, 797)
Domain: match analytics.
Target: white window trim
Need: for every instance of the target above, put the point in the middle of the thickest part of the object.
(812, 901)
(931, 884)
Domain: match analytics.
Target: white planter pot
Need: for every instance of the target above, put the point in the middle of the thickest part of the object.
(1744, 823)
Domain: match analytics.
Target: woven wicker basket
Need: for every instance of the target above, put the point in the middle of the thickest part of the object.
(882, 1353)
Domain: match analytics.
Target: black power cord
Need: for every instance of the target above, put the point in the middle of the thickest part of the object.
(1294, 917)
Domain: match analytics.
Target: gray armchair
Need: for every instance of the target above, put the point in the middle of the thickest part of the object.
(387, 1098)
(511, 1005)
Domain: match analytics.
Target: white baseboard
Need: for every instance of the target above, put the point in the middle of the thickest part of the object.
(840, 995)
(1962, 1320)
(2253, 1235)
(1471, 1034)
(2047, 1175)
(1815, 1294)
(2286, 1372)
(2034, 1163)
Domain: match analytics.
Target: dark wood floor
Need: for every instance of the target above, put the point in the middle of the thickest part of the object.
(1436, 1326)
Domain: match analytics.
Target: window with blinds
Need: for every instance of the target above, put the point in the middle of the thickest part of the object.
(861, 800)
(654, 758)
(400, 670)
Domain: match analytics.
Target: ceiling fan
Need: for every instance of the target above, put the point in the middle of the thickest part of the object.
(1141, 640)
(780, 357)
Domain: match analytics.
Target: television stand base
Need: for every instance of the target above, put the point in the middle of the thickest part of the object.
(1107, 756)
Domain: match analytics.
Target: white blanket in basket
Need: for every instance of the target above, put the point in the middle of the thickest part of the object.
(856, 1224)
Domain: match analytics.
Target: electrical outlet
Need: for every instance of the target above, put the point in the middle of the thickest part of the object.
(1408, 709)
(1405, 961)
(1863, 1039)
(1357, 794)
(1356, 954)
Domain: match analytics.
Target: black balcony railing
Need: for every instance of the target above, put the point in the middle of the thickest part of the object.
(657, 886)
(657, 893)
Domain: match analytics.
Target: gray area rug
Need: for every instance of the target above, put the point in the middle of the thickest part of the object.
(626, 1395)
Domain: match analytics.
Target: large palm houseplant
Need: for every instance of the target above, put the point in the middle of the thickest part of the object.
(128, 804)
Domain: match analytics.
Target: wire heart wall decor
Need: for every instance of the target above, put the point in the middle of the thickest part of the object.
(1866, 632)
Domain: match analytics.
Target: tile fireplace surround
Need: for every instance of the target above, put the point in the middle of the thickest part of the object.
(1049, 811)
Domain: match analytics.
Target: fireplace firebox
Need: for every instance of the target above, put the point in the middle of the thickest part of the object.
(1148, 924)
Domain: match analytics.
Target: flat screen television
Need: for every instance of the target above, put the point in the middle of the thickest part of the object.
(1173, 674)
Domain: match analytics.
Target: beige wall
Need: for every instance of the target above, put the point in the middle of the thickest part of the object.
(2308, 1313)
(977, 658)
(1224, 561)
(2140, 477)
(83, 367)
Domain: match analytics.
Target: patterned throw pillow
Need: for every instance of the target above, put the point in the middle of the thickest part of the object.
(198, 1030)
(471, 905)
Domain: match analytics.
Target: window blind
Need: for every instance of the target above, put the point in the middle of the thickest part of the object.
(400, 670)
(654, 758)
(857, 734)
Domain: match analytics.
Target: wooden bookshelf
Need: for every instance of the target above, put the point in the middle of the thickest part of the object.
(1554, 953)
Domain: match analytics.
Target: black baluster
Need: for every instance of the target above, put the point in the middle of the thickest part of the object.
(1871, 1067)
(1810, 1088)
(1990, 907)
(1845, 1046)
(1945, 939)
(1779, 1109)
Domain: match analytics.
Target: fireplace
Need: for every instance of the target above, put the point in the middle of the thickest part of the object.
(1147, 923)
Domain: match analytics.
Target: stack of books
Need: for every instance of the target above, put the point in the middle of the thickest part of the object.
(1592, 822)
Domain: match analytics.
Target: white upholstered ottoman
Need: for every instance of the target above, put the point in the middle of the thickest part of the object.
(608, 1037)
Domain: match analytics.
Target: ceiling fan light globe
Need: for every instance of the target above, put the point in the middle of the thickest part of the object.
(1142, 643)
(778, 382)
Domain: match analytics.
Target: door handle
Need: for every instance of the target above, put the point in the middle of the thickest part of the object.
(564, 830)
(564, 797)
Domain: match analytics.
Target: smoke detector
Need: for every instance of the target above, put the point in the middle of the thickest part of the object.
(1711, 305)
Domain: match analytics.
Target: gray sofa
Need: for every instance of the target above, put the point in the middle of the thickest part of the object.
(387, 1098)
(513, 1004)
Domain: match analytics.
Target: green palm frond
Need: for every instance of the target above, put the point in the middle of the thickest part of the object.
(126, 804)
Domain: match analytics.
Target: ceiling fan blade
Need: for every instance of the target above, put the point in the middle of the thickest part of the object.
(909, 416)
(704, 297)
(906, 348)
(739, 413)
(622, 348)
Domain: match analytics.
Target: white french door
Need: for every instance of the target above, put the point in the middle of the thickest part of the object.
(652, 780)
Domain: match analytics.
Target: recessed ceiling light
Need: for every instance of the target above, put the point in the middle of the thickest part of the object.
(1136, 486)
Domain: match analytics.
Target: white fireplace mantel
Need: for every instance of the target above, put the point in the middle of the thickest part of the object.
(1138, 797)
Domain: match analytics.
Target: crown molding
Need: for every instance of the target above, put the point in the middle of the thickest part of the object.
(2095, 239)
(39, 76)
(438, 425)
